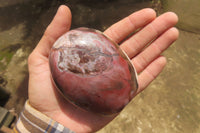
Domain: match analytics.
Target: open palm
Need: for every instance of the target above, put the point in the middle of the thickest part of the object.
(144, 48)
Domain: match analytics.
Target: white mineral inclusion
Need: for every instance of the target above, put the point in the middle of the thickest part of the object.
(92, 72)
(68, 41)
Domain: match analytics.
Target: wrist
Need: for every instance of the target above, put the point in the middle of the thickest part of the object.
(32, 120)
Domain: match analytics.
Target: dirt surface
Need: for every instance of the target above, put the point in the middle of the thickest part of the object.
(188, 11)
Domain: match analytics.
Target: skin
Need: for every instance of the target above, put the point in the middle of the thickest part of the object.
(144, 48)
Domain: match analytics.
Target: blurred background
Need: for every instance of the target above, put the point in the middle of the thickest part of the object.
(171, 104)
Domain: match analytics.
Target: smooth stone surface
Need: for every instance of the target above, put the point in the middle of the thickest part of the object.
(92, 72)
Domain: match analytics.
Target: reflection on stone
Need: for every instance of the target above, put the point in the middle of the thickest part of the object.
(92, 72)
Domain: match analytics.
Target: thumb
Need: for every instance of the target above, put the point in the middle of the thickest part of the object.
(59, 25)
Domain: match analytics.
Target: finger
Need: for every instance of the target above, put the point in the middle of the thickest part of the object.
(142, 60)
(137, 42)
(120, 30)
(151, 72)
(59, 25)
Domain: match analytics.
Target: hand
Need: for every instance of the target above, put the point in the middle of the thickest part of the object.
(144, 49)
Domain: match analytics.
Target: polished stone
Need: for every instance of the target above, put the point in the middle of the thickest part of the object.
(92, 71)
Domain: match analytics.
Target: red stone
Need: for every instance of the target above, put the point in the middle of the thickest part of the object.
(92, 72)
